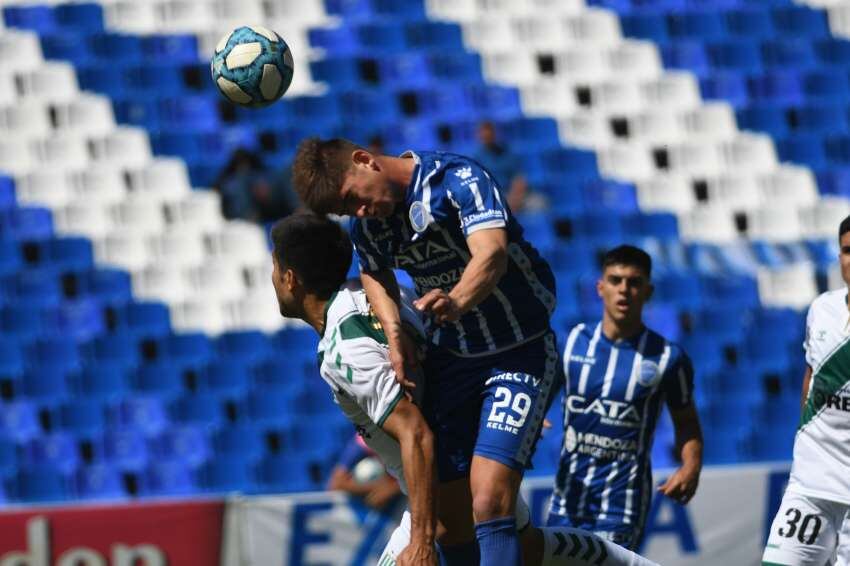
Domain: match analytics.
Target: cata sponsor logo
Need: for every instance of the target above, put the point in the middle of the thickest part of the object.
(618, 413)
(38, 552)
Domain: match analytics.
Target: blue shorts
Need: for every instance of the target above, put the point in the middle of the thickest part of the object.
(628, 536)
(492, 406)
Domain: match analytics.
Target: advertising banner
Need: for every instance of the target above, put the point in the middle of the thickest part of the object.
(726, 523)
(141, 534)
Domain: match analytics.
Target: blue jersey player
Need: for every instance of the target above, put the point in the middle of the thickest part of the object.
(619, 374)
(492, 361)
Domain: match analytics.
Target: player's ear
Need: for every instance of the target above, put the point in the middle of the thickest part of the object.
(599, 283)
(290, 280)
(361, 157)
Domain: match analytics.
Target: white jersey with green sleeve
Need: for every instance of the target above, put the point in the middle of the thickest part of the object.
(354, 360)
(821, 465)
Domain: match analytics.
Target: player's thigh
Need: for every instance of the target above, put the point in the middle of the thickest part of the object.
(398, 541)
(803, 533)
(516, 397)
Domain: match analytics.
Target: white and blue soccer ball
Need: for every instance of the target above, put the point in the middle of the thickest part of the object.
(252, 66)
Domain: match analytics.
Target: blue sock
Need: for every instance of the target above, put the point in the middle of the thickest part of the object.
(459, 554)
(499, 542)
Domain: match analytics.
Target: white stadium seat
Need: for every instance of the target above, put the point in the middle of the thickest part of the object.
(629, 162)
(122, 249)
(489, 34)
(672, 90)
(258, 310)
(586, 129)
(793, 286)
(749, 152)
(821, 219)
(453, 10)
(52, 81)
(161, 282)
(20, 51)
(712, 120)
(139, 215)
(196, 315)
(258, 276)
(774, 223)
(592, 25)
(45, 187)
(200, 210)
(86, 218)
(582, 64)
(103, 184)
(164, 179)
(8, 88)
(219, 280)
(241, 242)
(16, 157)
(86, 114)
(708, 224)
(790, 185)
(548, 96)
(131, 16)
(666, 193)
(25, 118)
(238, 12)
(616, 96)
(833, 277)
(694, 158)
(735, 192)
(510, 67)
(540, 32)
(125, 146)
(636, 59)
(185, 15)
(183, 247)
(303, 12)
(67, 151)
(655, 127)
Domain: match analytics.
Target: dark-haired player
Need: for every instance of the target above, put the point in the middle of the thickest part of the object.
(807, 529)
(492, 359)
(619, 375)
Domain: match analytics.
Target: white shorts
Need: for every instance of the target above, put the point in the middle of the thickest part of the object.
(808, 531)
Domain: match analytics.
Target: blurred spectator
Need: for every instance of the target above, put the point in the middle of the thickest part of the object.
(251, 192)
(505, 166)
(360, 473)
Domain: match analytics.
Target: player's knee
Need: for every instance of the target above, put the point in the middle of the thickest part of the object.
(492, 502)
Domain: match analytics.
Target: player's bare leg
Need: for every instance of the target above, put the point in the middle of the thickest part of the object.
(494, 490)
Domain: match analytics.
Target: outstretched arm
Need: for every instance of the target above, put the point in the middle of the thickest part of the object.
(407, 425)
(488, 262)
(682, 485)
(382, 291)
(807, 381)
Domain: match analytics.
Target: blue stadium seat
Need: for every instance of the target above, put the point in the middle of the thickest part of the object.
(58, 451)
(83, 417)
(36, 17)
(120, 48)
(249, 345)
(198, 408)
(105, 380)
(741, 55)
(189, 110)
(767, 118)
(99, 481)
(788, 53)
(165, 81)
(66, 46)
(70, 253)
(821, 119)
(149, 320)
(776, 87)
(23, 324)
(83, 16)
(270, 406)
(147, 414)
(339, 72)
(172, 47)
(80, 319)
(800, 21)
(162, 379)
(7, 193)
(727, 86)
(456, 66)
(19, 420)
(125, 448)
(187, 443)
(826, 86)
(749, 22)
(687, 55)
(54, 351)
(241, 441)
(804, 149)
(664, 319)
(42, 485)
(9, 459)
(110, 286)
(285, 473)
(225, 474)
(650, 26)
(838, 149)
(617, 197)
(168, 478)
(119, 348)
(432, 35)
(700, 25)
(680, 289)
(227, 377)
(194, 348)
(494, 102)
(378, 36)
(10, 257)
(46, 382)
(26, 223)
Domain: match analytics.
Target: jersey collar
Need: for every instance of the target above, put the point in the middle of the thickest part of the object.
(327, 308)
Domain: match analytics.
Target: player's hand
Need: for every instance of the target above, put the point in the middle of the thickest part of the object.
(440, 305)
(384, 491)
(405, 356)
(418, 555)
(682, 485)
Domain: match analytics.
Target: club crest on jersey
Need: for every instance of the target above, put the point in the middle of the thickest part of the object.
(648, 373)
(419, 217)
(464, 172)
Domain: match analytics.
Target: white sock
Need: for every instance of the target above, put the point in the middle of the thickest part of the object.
(566, 546)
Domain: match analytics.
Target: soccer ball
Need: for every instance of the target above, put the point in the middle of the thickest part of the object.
(367, 470)
(252, 66)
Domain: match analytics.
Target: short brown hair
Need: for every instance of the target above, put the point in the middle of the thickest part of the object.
(319, 170)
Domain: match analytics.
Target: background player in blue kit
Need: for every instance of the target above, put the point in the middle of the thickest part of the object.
(492, 361)
(619, 373)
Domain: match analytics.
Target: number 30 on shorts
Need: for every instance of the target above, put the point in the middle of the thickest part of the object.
(807, 531)
(519, 403)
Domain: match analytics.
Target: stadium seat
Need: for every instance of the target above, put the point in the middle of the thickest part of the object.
(125, 449)
(161, 379)
(225, 474)
(19, 420)
(198, 409)
(146, 414)
(99, 481)
(42, 485)
(284, 473)
(83, 417)
(167, 478)
(187, 444)
(240, 441)
(58, 451)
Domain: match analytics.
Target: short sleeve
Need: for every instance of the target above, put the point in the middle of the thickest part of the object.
(679, 383)
(807, 341)
(368, 255)
(476, 196)
(364, 370)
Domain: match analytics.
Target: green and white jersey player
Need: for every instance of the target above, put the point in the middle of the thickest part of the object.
(355, 363)
(807, 529)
